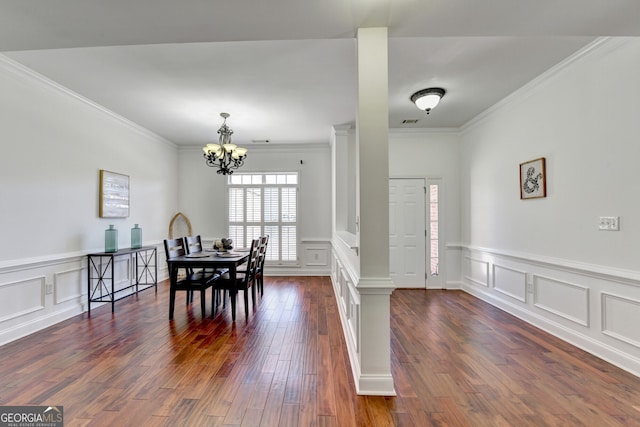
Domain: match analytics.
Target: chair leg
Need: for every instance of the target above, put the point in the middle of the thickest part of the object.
(203, 296)
(253, 293)
(232, 297)
(246, 302)
(214, 293)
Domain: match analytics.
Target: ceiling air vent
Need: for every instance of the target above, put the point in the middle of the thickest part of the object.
(409, 121)
(260, 141)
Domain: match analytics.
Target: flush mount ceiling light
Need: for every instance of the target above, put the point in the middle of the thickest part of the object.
(224, 155)
(427, 99)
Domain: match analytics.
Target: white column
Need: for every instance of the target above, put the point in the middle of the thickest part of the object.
(374, 285)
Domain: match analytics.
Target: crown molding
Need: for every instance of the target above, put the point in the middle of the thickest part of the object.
(525, 90)
(31, 76)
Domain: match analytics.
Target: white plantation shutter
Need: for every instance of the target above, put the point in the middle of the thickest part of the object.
(265, 204)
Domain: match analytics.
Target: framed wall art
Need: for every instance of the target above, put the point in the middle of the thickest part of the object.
(114, 195)
(533, 179)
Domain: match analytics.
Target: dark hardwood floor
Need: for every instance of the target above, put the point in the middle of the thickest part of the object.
(456, 361)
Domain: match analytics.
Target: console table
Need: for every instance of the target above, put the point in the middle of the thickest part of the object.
(101, 277)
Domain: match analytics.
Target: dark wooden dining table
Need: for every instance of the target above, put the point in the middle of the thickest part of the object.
(208, 260)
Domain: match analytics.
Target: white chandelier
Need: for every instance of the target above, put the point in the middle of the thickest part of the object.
(224, 155)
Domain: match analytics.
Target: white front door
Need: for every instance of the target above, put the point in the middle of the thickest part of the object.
(407, 232)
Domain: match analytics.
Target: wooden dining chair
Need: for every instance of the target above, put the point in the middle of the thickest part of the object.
(245, 281)
(193, 244)
(192, 281)
(262, 256)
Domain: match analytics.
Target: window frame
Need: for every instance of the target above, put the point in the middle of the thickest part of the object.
(262, 223)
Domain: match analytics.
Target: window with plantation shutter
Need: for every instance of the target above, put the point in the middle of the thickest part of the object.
(265, 204)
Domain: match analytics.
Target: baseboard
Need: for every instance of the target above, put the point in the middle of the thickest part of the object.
(22, 330)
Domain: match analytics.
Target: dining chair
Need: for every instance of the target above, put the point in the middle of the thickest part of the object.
(192, 281)
(193, 244)
(245, 281)
(262, 256)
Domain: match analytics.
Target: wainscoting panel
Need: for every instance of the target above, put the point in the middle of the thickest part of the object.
(122, 272)
(621, 318)
(477, 271)
(37, 293)
(510, 282)
(562, 299)
(22, 297)
(69, 285)
(353, 317)
(317, 256)
(348, 303)
(592, 307)
(348, 308)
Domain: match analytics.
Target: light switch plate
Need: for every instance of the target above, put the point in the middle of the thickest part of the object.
(609, 223)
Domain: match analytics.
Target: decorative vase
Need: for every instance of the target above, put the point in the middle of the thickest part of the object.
(136, 237)
(111, 239)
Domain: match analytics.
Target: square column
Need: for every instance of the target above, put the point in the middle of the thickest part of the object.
(374, 285)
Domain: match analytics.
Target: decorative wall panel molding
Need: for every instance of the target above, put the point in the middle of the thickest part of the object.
(21, 297)
(559, 299)
(67, 285)
(510, 282)
(620, 318)
(563, 299)
(353, 317)
(477, 271)
(317, 256)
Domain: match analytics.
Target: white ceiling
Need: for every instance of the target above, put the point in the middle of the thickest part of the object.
(285, 69)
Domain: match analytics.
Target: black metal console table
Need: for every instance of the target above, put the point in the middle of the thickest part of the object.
(101, 277)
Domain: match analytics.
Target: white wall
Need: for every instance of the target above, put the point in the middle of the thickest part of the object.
(545, 259)
(202, 196)
(53, 146)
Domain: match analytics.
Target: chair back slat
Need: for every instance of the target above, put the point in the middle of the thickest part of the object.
(252, 263)
(262, 251)
(193, 244)
(174, 247)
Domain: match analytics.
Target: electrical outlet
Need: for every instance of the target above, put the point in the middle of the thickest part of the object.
(609, 223)
(530, 288)
(48, 289)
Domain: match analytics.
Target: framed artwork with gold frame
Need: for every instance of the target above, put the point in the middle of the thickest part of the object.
(114, 195)
(533, 179)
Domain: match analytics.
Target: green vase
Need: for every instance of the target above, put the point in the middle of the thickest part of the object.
(111, 239)
(136, 237)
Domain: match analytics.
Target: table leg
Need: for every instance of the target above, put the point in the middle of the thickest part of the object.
(173, 277)
(233, 292)
(113, 285)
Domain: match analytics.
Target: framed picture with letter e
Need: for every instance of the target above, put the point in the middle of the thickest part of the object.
(533, 179)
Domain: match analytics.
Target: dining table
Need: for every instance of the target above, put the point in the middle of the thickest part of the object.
(208, 260)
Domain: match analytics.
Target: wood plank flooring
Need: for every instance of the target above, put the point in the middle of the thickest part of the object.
(456, 361)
